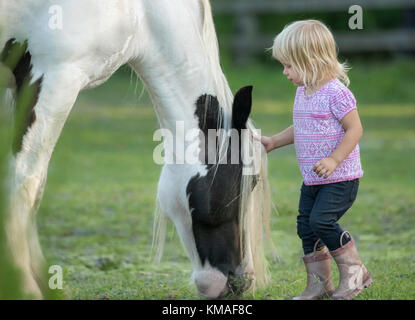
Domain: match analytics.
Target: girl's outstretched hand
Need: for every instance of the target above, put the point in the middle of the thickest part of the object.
(266, 141)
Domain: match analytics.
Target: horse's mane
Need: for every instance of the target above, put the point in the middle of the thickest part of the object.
(254, 205)
(210, 42)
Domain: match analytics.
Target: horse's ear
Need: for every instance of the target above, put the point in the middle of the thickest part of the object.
(241, 108)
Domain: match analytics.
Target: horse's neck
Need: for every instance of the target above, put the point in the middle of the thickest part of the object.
(174, 91)
(176, 65)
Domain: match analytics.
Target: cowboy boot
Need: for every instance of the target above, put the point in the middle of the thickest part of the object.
(354, 276)
(319, 283)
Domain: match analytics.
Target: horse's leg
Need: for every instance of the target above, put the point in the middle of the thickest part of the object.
(57, 93)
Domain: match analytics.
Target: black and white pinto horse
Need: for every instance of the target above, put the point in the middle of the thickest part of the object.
(219, 212)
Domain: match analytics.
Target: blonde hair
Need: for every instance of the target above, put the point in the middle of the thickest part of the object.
(309, 47)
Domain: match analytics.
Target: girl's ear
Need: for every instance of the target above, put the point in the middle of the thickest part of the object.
(241, 108)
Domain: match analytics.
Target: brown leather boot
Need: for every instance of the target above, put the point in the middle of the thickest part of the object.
(319, 283)
(354, 276)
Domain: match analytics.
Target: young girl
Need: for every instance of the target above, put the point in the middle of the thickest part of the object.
(326, 130)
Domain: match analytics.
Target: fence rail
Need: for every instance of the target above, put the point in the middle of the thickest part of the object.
(293, 6)
(247, 40)
(396, 40)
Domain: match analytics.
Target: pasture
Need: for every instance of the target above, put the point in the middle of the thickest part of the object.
(96, 217)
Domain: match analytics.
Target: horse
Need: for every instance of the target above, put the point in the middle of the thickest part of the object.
(219, 211)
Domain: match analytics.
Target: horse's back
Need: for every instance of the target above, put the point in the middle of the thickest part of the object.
(97, 35)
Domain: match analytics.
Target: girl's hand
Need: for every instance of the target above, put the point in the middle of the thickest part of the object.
(325, 167)
(267, 142)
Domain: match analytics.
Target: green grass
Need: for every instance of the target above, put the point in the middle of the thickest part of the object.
(96, 216)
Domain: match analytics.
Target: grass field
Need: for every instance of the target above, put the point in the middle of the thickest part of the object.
(96, 216)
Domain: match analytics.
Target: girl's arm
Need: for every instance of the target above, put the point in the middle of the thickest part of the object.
(281, 139)
(353, 132)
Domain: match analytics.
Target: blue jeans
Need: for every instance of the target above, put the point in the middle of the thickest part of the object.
(321, 206)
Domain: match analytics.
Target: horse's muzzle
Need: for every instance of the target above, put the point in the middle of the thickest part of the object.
(213, 284)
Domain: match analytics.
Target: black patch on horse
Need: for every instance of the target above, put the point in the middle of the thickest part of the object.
(210, 116)
(18, 59)
(214, 198)
(215, 210)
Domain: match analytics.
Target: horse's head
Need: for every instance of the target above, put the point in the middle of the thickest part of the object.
(214, 203)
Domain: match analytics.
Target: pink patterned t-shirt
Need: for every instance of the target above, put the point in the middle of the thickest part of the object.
(318, 131)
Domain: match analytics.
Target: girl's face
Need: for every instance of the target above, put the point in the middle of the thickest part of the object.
(292, 76)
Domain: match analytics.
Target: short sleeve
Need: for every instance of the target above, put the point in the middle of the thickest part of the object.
(342, 102)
